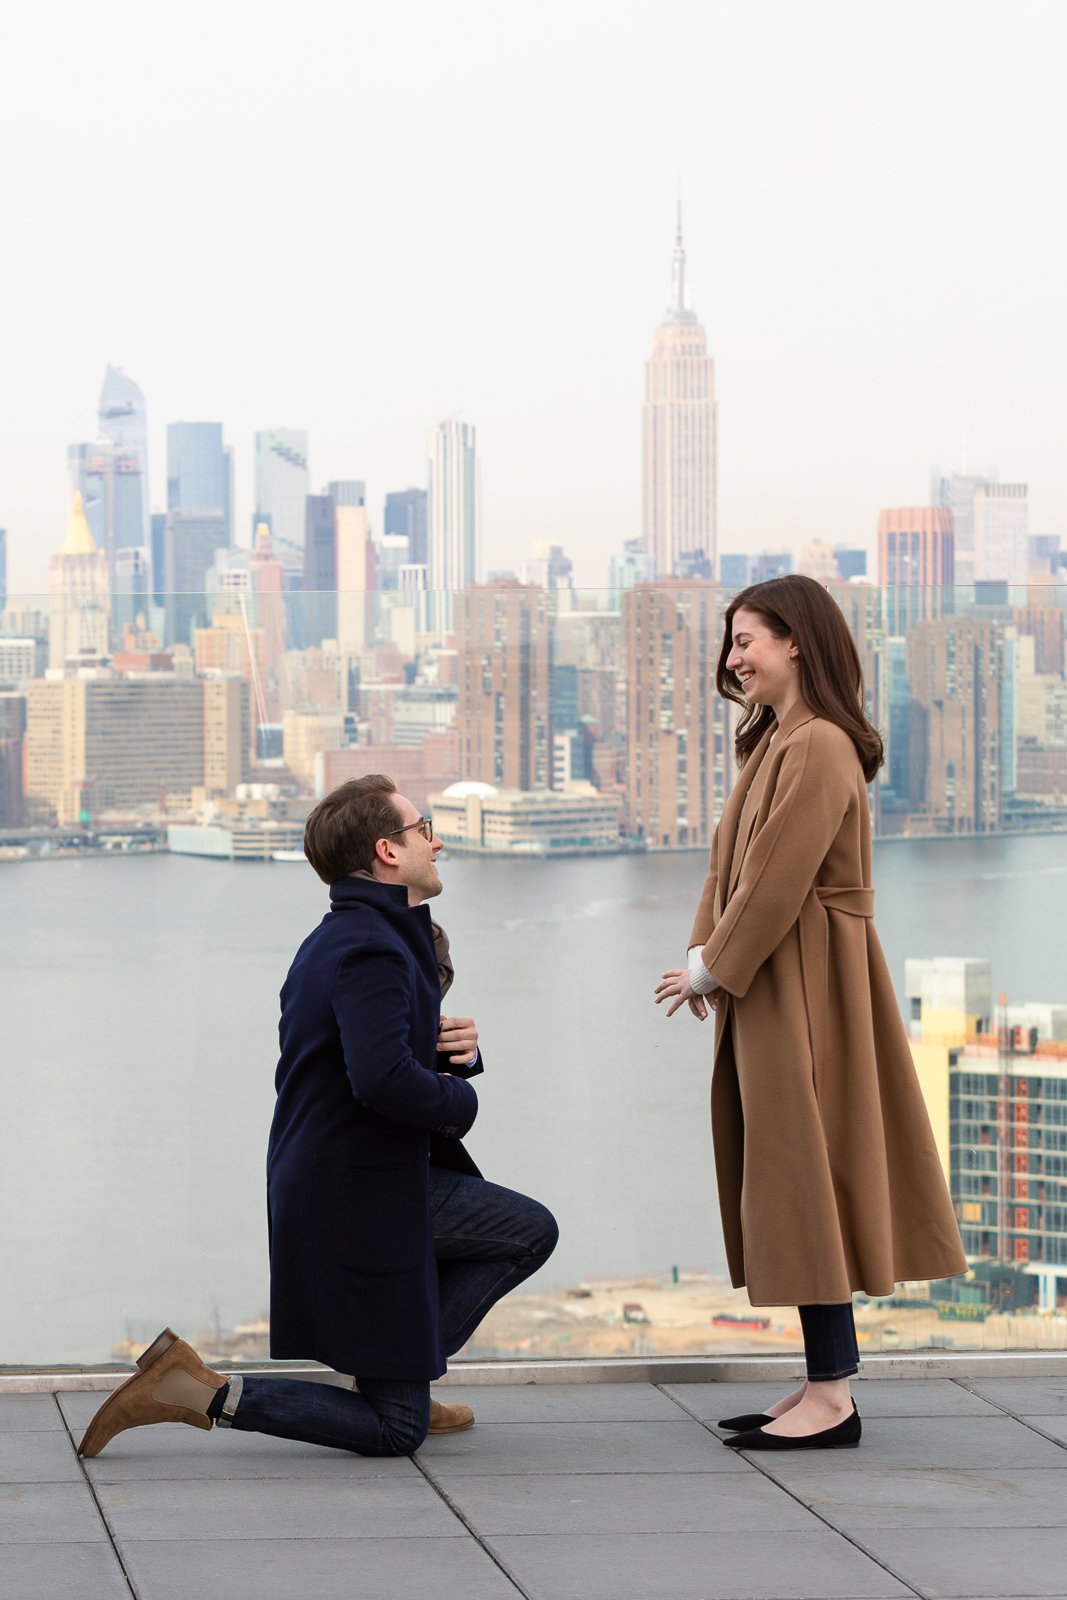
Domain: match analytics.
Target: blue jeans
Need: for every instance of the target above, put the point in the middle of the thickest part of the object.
(487, 1240)
(830, 1348)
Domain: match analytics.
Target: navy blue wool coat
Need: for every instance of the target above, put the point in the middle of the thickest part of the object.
(360, 1098)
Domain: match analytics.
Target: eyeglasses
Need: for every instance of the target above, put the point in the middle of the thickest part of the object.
(424, 825)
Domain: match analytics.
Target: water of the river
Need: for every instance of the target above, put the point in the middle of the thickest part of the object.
(139, 1043)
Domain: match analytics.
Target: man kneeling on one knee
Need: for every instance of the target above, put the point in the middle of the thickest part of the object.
(387, 1247)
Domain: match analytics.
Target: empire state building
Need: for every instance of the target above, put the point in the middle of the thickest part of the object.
(679, 434)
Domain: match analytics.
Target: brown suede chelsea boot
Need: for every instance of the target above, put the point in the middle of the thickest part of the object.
(171, 1384)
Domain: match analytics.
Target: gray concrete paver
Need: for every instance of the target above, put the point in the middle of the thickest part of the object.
(928, 1498)
(1044, 1397)
(37, 1458)
(61, 1572)
(327, 1569)
(618, 1447)
(29, 1413)
(1055, 1426)
(585, 1490)
(566, 1402)
(604, 1503)
(694, 1566)
(59, 1513)
(951, 1563)
(264, 1508)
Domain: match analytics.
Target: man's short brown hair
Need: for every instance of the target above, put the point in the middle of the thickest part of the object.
(341, 832)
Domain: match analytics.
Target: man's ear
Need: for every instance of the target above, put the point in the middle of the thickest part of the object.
(385, 851)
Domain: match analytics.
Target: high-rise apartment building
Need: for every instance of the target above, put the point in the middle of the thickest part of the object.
(991, 523)
(915, 564)
(199, 470)
(770, 564)
(680, 429)
(102, 742)
(453, 521)
(851, 562)
(681, 763)
(733, 571)
(111, 472)
(955, 671)
(633, 565)
(354, 552)
(405, 515)
(347, 491)
(228, 736)
(282, 487)
(504, 641)
(1001, 533)
(80, 593)
(12, 733)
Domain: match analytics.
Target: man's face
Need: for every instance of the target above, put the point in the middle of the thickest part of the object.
(414, 858)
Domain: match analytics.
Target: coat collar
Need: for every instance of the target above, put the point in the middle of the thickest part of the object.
(364, 889)
(794, 718)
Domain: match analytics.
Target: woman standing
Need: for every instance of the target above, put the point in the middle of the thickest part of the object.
(828, 1174)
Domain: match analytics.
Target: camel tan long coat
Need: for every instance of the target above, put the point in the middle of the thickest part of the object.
(829, 1178)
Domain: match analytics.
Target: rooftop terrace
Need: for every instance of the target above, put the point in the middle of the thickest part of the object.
(563, 1491)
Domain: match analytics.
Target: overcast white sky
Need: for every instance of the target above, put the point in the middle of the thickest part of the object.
(360, 219)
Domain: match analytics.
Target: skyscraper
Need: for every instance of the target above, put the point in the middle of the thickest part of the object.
(281, 489)
(111, 473)
(503, 714)
(1001, 533)
(405, 513)
(991, 523)
(679, 732)
(915, 563)
(353, 553)
(80, 595)
(192, 537)
(199, 470)
(955, 673)
(679, 434)
(454, 534)
(319, 597)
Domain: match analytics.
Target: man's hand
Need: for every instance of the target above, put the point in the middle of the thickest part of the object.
(676, 982)
(458, 1040)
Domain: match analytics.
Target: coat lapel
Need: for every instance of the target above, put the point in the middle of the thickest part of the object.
(730, 821)
(762, 764)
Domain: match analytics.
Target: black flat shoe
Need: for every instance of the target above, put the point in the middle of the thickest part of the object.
(843, 1436)
(751, 1419)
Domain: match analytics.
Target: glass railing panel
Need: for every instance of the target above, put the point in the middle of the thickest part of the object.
(158, 756)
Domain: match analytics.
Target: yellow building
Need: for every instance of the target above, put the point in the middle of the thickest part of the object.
(80, 595)
(305, 733)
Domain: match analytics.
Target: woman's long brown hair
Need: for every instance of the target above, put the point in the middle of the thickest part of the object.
(828, 663)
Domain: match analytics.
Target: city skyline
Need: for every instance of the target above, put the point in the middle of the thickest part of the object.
(520, 292)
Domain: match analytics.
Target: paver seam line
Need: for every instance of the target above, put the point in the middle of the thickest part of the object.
(462, 1517)
(1014, 1415)
(101, 1513)
(841, 1534)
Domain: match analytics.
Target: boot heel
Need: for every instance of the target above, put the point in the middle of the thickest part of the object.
(159, 1347)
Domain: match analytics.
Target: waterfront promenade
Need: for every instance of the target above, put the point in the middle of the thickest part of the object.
(563, 1491)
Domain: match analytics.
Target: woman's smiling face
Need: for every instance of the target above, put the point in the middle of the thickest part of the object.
(761, 661)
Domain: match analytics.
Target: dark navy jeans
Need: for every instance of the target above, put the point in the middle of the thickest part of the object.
(487, 1240)
(830, 1348)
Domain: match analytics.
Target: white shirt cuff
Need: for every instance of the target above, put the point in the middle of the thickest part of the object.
(700, 978)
